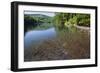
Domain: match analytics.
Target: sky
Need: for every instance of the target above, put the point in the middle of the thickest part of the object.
(40, 12)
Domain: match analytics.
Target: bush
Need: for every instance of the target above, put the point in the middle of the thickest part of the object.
(73, 20)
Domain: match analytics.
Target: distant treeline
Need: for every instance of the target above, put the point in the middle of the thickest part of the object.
(69, 19)
(60, 20)
(35, 20)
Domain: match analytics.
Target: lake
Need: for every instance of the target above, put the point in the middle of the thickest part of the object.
(36, 36)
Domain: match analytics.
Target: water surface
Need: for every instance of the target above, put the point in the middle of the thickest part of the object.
(36, 36)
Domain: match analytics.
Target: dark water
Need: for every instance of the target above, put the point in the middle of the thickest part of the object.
(36, 36)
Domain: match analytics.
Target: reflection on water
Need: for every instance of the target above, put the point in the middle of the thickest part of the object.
(36, 36)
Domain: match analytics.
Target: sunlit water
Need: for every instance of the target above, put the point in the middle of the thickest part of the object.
(35, 36)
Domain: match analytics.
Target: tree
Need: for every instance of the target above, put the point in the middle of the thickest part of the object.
(65, 19)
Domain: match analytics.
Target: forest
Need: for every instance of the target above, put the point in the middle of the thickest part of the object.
(63, 20)
(36, 21)
(60, 20)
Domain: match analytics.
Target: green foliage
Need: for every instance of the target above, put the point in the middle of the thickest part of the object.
(73, 20)
(29, 18)
(63, 20)
(59, 20)
(41, 19)
(83, 19)
(37, 21)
